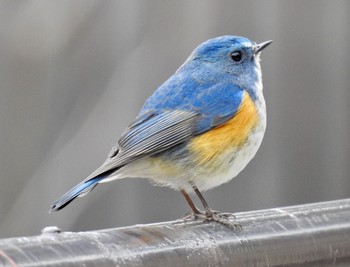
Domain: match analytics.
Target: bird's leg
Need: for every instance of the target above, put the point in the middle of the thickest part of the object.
(195, 210)
(193, 207)
(211, 215)
(204, 202)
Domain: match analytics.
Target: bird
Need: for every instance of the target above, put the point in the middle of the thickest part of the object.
(198, 130)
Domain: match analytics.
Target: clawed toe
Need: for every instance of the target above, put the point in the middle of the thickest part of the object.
(209, 215)
(215, 216)
(195, 215)
(223, 218)
(226, 215)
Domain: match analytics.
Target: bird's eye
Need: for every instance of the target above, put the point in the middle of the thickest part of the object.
(236, 56)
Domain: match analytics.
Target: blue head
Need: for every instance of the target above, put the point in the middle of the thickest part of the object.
(233, 56)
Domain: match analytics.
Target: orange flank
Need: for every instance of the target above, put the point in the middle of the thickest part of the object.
(230, 135)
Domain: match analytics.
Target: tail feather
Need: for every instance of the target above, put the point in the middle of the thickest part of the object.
(79, 190)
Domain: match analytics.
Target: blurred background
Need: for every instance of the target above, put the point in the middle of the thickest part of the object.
(74, 74)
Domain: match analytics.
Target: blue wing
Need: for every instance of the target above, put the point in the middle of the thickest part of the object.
(181, 108)
(173, 114)
(216, 102)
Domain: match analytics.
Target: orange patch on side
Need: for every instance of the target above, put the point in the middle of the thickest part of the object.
(232, 134)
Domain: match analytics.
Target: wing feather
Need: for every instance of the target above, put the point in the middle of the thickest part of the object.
(164, 124)
(154, 135)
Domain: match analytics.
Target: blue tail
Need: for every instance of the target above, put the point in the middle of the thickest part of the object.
(83, 187)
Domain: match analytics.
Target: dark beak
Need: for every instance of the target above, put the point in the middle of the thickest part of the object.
(261, 46)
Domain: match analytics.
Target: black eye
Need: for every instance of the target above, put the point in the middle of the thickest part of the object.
(236, 56)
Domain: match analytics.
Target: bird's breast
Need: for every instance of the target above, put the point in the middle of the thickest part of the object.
(231, 136)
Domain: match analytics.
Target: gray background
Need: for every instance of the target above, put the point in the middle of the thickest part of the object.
(73, 74)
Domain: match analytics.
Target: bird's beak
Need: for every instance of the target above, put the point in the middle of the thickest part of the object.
(261, 46)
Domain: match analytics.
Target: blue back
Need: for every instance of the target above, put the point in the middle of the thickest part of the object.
(187, 91)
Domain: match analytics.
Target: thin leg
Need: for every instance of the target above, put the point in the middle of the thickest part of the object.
(190, 202)
(216, 216)
(201, 198)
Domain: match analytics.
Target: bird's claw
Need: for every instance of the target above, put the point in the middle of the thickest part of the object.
(215, 216)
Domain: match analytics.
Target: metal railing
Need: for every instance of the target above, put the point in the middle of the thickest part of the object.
(307, 235)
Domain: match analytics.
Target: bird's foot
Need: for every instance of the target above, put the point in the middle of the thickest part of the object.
(225, 218)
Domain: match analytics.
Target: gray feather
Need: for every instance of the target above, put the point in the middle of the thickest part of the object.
(155, 134)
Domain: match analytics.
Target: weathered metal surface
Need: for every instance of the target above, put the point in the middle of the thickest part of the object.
(308, 235)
